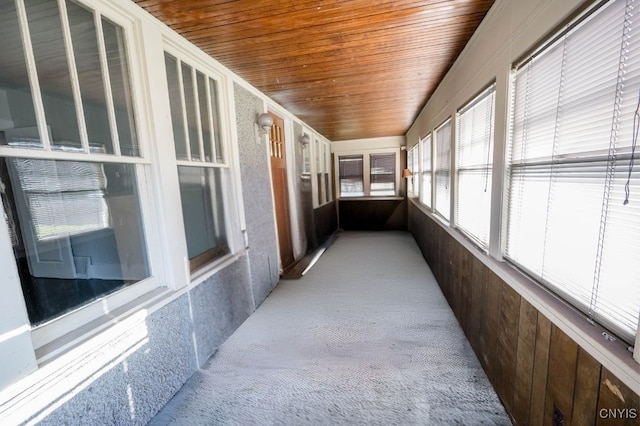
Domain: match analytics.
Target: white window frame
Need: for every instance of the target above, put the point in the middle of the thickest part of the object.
(233, 219)
(466, 108)
(44, 334)
(436, 167)
(414, 167)
(430, 171)
(366, 171)
(321, 166)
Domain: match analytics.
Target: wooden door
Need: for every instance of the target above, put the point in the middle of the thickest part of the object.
(277, 153)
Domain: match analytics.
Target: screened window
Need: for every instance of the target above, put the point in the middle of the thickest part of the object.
(382, 174)
(443, 169)
(75, 221)
(474, 152)
(412, 165)
(201, 169)
(323, 167)
(574, 195)
(425, 171)
(351, 176)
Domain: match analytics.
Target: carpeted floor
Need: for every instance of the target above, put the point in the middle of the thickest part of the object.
(364, 338)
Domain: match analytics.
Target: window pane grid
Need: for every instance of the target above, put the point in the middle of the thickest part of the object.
(194, 114)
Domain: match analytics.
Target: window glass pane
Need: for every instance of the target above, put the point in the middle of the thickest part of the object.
(203, 213)
(190, 105)
(474, 158)
(53, 73)
(118, 65)
(443, 166)
(16, 102)
(175, 101)
(81, 231)
(213, 89)
(383, 174)
(351, 176)
(425, 185)
(86, 52)
(205, 112)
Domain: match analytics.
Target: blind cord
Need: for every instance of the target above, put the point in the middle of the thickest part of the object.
(634, 142)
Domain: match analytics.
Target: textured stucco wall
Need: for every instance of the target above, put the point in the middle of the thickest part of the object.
(141, 370)
(256, 192)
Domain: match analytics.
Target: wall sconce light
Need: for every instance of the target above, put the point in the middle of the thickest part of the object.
(406, 173)
(263, 126)
(305, 139)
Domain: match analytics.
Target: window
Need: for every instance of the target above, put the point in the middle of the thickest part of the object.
(443, 168)
(425, 171)
(382, 174)
(70, 161)
(369, 173)
(412, 165)
(201, 168)
(323, 166)
(574, 195)
(351, 175)
(474, 163)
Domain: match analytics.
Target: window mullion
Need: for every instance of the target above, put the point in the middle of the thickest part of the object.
(106, 79)
(33, 75)
(210, 112)
(196, 100)
(183, 104)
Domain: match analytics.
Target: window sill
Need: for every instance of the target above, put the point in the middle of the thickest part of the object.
(614, 356)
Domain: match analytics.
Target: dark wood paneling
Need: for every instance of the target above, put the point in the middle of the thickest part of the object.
(525, 354)
(491, 327)
(561, 378)
(478, 286)
(617, 404)
(585, 399)
(325, 223)
(540, 371)
(508, 342)
(372, 215)
(532, 364)
(331, 63)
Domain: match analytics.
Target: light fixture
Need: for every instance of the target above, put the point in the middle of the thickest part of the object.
(263, 126)
(305, 139)
(406, 173)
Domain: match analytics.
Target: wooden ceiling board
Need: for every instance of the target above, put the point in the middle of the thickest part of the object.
(351, 69)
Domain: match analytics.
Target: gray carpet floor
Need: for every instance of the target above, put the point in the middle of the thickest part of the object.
(364, 338)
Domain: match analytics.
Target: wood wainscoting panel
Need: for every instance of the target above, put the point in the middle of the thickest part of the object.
(585, 398)
(525, 357)
(561, 378)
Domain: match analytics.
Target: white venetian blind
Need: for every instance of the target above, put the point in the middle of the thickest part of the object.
(574, 125)
(443, 169)
(474, 152)
(425, 190)
(350, 170)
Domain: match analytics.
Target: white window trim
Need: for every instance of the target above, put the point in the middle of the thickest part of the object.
(320, 163)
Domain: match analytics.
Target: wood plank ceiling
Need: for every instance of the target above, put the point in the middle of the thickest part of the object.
(351, 69)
